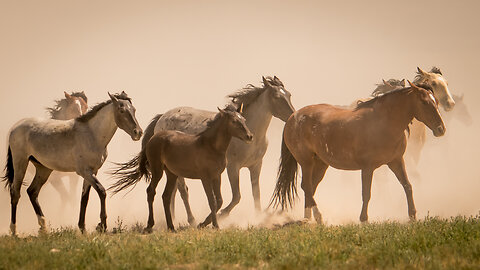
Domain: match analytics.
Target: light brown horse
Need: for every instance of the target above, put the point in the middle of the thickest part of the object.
(363, 138)
(200, 156)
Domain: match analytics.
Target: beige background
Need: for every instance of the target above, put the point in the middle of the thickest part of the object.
(171, 53)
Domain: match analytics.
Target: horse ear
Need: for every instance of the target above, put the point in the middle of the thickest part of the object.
(67, 96)
(221, 110)
(402, 82)
(421, 71)
(265, 82)
(386, 83)
(112, 97)
(124, 94)
(412, 84)
(240, 109)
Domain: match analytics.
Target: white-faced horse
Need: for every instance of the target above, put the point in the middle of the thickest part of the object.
(78, 145)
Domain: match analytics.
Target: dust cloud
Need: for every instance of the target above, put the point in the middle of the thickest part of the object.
(188, 53)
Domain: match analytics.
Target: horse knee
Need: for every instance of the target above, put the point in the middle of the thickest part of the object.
(14, 196)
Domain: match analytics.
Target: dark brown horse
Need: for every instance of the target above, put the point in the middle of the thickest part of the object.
(179, 154)
(363, 138)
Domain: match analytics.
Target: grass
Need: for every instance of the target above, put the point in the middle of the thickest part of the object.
(433, 243)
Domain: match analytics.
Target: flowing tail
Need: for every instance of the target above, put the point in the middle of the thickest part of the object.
(129, 173)
(8, 178)
(286, 188)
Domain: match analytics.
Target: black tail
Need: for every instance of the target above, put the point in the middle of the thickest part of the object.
(8, 178)
(130, 172)
(286, 187)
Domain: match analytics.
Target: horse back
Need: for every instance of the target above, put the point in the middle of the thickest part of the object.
(185, 119)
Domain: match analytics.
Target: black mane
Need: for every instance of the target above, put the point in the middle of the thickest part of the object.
(95, 109)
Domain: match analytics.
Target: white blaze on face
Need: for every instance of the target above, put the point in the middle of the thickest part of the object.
(432, 97)
(282, 91)
(77, 102)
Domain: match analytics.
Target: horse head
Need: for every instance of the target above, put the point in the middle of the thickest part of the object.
(237, 125)
(75, 106)
(439, 84)
(124, 113)
(279, 98)
(426, 110)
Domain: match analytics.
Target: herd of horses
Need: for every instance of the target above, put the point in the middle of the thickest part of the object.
(190, 143)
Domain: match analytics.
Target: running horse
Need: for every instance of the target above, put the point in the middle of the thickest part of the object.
(201, 156)
(259, 105)
(363, 138)
(77, 145)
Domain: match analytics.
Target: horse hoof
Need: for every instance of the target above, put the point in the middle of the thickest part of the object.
(101, 228)
(42, 231)
(202, 225)
(148, 230)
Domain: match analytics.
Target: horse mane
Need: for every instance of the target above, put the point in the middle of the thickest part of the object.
(211, 123)
(250, 93)
(382, 88)
(95, 109)
(369, 103)
(60, 104)
(419, 76)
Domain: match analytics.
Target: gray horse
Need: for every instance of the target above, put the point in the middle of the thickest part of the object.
(259, 105)
(78, 145)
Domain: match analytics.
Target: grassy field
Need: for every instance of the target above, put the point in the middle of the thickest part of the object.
(432, 243)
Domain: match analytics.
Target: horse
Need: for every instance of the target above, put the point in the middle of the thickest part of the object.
(201, 156)
(417, 130)
(77, 145)
(363, 138)
(260, 104)
(72, 106)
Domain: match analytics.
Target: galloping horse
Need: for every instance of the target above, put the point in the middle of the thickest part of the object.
(260, 104)
(78, 145)
(200, 156)
(364, 138)
(72, 106)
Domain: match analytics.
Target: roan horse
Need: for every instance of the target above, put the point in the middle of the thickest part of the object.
(260, 104)
(72, 106)
(78, 145)
(200, 156)
(364, 138)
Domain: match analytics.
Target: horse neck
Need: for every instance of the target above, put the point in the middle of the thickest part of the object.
(396, 111)
(258, 115)
(217, 136)
(103, 125)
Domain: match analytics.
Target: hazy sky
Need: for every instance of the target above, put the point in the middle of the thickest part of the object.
(171, 53)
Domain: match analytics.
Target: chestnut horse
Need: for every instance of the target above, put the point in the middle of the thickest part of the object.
(201, 156)
(363, 138)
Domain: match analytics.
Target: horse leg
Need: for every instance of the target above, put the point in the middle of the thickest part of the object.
(233, 177)
(398, 168)
(58, 185)
(219, 200)
(317, 176)
(166, 196)
(156, 176)
(83, 205)
(208, 187)
(367, 175)
(73, 183)
(307, 172)
(172, 201)
(41, 176)
(20, 168)
(254, 177)
(91, 178)
(183, 189)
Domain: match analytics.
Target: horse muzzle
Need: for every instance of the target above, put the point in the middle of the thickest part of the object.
(249, 138)
(439, 131)
(137, 134)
